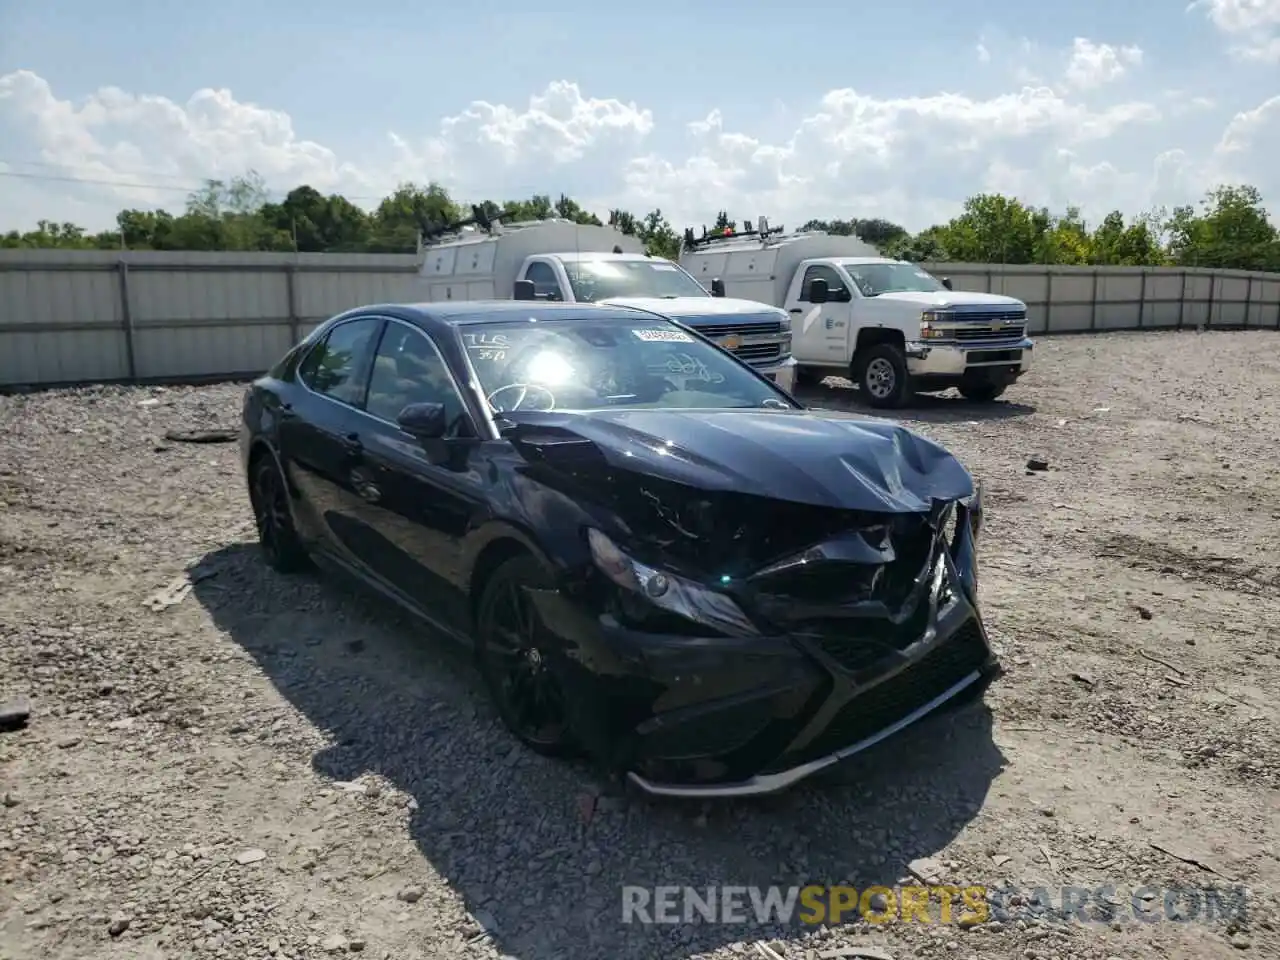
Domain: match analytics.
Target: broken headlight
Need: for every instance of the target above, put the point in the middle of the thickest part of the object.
(667, 591)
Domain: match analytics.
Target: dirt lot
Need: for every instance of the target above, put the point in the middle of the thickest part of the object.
(284, 767)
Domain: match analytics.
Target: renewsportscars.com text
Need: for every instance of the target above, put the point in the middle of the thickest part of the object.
(939, 903)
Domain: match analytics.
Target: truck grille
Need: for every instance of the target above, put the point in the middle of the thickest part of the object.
(752, 328)
(986, 331)
(758, 352)
(989, 316)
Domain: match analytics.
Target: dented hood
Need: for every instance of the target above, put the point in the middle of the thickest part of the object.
(822, 459)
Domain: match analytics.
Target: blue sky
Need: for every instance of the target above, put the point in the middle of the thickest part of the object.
(933, 102)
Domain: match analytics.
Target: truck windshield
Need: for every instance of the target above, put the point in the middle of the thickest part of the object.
(874, 279)
(597, 280)
(581, 364)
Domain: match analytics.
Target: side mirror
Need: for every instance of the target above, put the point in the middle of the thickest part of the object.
(425, 421)
(717, 287)
(818, 291)
(946, 282)
(428, 424)
(524, 290)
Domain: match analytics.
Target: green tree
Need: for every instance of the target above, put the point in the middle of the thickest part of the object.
(1115, 243)
(400, 218)
(624, 221)
(568, 209)
(997, 229)
(1233, 230)
(1229, 227)
(316, 223)
(659, 237)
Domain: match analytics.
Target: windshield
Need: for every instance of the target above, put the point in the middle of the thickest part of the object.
(596, 280)
(874, 279)
(589, 364)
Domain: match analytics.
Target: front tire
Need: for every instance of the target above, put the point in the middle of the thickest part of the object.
(982, 392)
(883, 378)
(278, 537)
(514, 661)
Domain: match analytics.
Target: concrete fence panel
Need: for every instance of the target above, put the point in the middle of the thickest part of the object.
(103, 316)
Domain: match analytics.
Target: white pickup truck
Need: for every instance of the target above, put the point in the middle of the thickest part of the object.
(888, 325)
(570, 262)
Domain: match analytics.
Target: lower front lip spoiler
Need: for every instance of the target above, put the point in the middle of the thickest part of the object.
(773, 782)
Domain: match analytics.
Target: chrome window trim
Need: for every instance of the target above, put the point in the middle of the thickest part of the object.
(386, 320)
(321, 341)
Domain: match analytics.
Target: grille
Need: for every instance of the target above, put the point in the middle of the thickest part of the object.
(751, 328)
(757, 352)
(1013, 332)
(990, 316)
(888, 702)
(857, 644)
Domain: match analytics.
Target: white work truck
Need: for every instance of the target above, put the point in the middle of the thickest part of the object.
(560, 260)
(886, 324)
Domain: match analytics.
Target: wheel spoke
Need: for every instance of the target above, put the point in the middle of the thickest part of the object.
(533, 697)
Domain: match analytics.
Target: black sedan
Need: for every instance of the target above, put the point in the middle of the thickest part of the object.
(661, 559)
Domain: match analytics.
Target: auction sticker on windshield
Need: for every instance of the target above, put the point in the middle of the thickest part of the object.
(663, 336)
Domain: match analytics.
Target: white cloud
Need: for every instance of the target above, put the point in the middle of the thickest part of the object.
(479, 149)
(1094, 64)
(1251, 26)
(912, 159)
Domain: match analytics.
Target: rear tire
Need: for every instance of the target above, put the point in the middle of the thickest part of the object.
(982, 392)
(515, 663)
(281, 546)
(882, 376)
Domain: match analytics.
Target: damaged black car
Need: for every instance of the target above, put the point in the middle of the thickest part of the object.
(660, 559)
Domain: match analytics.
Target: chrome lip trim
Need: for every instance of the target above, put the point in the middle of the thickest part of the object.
(773, 782)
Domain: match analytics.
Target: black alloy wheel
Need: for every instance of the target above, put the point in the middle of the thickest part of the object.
(281, 546)
(514, 661)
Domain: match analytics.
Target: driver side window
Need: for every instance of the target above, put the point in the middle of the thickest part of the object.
(835, 283)
(546, 286)
(409, 369)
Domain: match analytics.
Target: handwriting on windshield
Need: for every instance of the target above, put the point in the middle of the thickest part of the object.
(486, 341)
(694, 369)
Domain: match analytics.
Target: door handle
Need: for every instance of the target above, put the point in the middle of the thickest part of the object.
(796, 310)
(351, 443)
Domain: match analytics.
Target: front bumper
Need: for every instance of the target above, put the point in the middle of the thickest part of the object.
(951, 359)
(728, 716)
(782, 373)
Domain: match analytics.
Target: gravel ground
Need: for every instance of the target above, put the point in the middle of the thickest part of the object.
(285, 767)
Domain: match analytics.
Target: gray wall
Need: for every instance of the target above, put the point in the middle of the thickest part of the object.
(92, 316)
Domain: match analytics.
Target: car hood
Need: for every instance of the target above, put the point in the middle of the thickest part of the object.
(958, 300)
(819, 459)
(698, 306)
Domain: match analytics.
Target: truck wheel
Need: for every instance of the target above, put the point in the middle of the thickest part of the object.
(883, 378)
(982, 392)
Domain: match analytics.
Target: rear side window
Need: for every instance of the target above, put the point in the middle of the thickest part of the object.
(820, 271)
(338, 365)
(546, 285)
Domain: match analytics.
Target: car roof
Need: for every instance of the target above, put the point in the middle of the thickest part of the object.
(470, 312)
